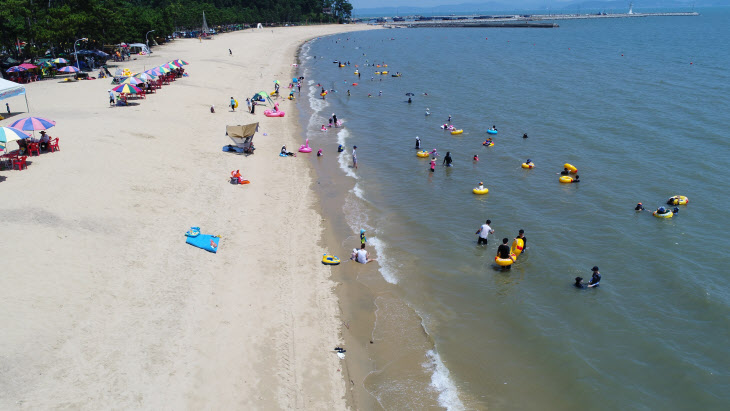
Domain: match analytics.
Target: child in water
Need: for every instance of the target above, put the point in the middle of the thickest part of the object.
(319, 153)
(433, 164)
(363, 239)
(476, 157)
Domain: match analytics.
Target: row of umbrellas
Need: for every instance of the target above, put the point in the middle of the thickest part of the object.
(16, 130)
(129, 85)
(50, 63)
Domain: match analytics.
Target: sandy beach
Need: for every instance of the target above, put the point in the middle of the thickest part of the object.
(105, 306)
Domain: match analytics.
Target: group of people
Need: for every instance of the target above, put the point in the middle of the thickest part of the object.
(44, 141)
(661, 209)
(361, 255)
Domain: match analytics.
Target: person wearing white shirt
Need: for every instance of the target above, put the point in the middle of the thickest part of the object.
(484, 232)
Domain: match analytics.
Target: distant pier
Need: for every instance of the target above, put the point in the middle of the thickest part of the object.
(519, 21)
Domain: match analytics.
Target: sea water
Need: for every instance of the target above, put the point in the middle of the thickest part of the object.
(640, 107)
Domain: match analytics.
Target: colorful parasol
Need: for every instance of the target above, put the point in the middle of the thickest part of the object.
(69, 69)
(33, 123)
(126, 88)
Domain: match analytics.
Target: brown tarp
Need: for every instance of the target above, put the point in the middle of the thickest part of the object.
(239, 131)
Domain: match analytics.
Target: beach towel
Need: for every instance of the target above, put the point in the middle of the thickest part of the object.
(205, 241)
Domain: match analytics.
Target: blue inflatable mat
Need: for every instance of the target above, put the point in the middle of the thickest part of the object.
(230, 148)
(205, 241)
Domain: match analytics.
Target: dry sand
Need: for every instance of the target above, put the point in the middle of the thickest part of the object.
(103, 304)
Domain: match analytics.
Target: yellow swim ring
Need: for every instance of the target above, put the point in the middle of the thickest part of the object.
(678, 200)
(384, 72)
(422, 154)
(235, 105)
(517, 247)
(668, 214)
(571, 168)
(566, 179)
(505, 261)
(329, 259)
(454, 132)
(377, 72)
(528, 165)
(480, 192)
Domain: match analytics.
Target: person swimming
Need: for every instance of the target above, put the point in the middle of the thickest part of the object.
(487, 142)
(662, 210)
(340, 148)
(476, 157)
(319, 153)
(409, 100)
(524, 135)
(639, 207)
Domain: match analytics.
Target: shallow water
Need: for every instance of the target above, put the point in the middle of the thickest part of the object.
(619, 99)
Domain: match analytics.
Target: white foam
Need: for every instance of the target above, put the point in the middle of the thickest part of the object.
(358, 192)
(345, 159)
(387, 270)
(442, 383)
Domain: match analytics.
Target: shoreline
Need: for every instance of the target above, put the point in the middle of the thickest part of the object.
(123, 311)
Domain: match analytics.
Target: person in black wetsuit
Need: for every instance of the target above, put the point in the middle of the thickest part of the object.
(524, 135)
(447, 159)
(576, 179)
(595, 278)
(565, 172)
(521, 235)
(340, 148)
(418, 143)
(503, 251)
(579, 283)
(639, 207)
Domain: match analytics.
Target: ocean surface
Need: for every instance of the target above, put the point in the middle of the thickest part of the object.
(640, 106)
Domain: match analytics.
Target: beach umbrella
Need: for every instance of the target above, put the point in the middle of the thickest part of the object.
(15, 69)
(181, 62)
(276, 82)
(8, 134)
(60, 60)
(127, 88)
(132, 80)
(174, 64)
(163, 69)
(144, 76)
(33, 123)
(69, 69)
(28, 66)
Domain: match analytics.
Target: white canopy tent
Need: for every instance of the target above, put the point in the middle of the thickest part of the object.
(9, 89)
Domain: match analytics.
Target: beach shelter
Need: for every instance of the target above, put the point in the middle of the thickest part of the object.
(9, 89)
(242, 135)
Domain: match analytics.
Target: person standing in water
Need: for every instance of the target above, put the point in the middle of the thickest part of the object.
(595, 278)
(521, 235)
(354, 157)
(503, 251)
(484, 232)
(433, 164)
(418, 143)
(447, 159)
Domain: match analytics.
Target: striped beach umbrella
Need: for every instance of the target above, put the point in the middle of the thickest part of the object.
(69, 69)
(181, 62)
(60, 60)
(126, 88)
(15, 69)
(132, 80)
(8, 134)
(144, 76)
(172, 65)
(163, 69)
(33, 123)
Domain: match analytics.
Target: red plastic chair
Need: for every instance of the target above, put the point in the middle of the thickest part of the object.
(34, 148)
(20, 163)
(53, 145)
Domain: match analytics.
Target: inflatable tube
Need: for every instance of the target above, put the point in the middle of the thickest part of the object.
(454, 132)
(422, 153)
(668, 214)
(395, 75)
(480, 192)
(517, 247)
(571, 168)
(272, 113)
(488, 145)
(323, 94)
(377, 72)
(566, 179)
(526, 165)
(678, 200)
(384, 73)
(490, 131)
(505, 261)
(304, 148)
(328, 259)
(236, 103)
